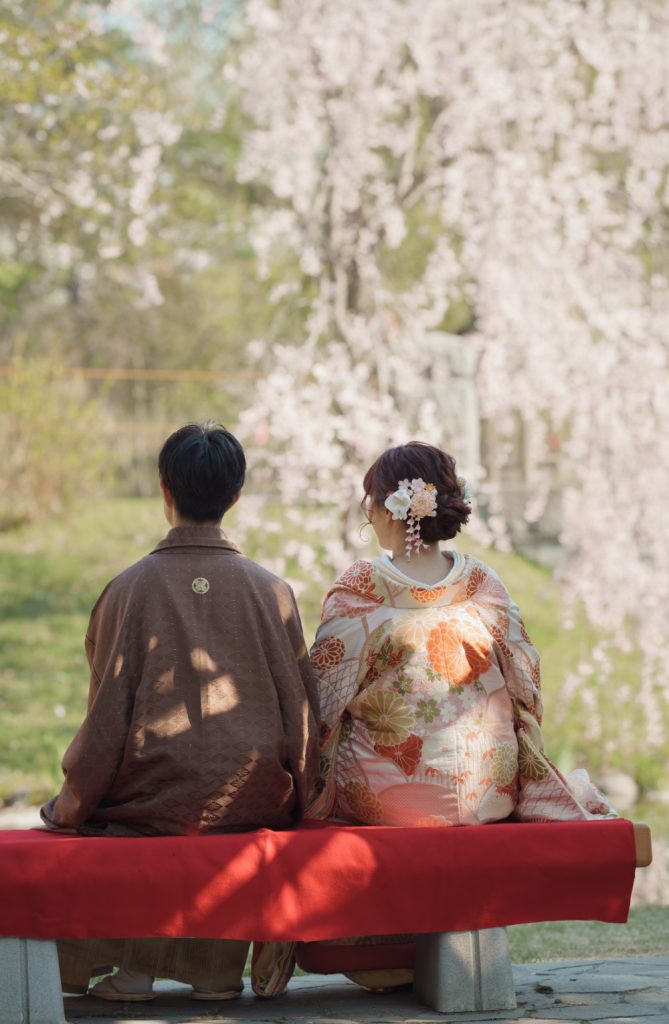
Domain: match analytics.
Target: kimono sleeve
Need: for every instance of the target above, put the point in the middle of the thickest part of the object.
(337, 659)
(336, 654)
(298, 698)
(92, 759)
(544, 793)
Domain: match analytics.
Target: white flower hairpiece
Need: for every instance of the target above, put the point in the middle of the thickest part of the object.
(412, 501)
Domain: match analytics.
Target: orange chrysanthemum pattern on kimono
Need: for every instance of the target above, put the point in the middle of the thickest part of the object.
(412, 628)
(363, 803)
(427, 596)
(358, 577)
(498, 637)
(328, 652)
(459, 651)
(486, 587)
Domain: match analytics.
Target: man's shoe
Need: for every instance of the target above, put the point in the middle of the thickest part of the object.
(207, 993)
(125, 986)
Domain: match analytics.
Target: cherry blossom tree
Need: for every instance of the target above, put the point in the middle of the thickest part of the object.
(84, 134)
(508, 159)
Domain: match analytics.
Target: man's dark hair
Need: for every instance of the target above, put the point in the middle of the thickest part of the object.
(203, 468)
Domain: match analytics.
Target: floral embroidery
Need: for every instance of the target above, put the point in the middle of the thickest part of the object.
(388, 655)
(511, 789)
(487, 587)
(328, 652)
(358, 577)
(350, 605)
(427, 709)
(475, 580)
(364, 804)
(499, 639)
(424, 596)
(523, 632)
(460, 652)
(387, 718)
(504, 764)
(530, 761)
(411, 628)
(405, 755)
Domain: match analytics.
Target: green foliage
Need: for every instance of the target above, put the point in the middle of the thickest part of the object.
(54, 443)
(52, 573)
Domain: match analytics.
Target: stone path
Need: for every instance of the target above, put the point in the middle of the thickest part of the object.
(630, 991)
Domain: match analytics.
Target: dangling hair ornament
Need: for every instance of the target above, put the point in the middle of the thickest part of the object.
(412, 501)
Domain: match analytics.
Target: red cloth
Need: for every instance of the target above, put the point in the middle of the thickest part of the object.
(320, 881)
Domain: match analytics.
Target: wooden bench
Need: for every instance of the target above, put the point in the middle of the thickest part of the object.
(456, 887)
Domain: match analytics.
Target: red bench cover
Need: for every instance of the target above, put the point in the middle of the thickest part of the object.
(320, 881)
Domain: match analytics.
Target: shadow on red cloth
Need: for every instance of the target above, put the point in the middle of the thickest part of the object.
(318, 881)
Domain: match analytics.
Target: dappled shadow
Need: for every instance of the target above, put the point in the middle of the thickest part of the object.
(200, 713)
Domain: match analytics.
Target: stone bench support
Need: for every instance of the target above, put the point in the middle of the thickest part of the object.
(30, 991)
(455, 972)
(458, 972)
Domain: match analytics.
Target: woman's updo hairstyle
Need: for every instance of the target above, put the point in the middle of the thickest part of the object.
(416, 459)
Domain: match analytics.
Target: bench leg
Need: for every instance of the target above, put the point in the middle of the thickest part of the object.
(461, 971)
(30, 991)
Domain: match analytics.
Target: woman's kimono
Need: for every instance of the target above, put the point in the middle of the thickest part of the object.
(431, 704)
(431, 708)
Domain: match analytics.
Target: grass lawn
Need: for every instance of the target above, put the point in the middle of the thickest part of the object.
(51, 575)
(645, 934)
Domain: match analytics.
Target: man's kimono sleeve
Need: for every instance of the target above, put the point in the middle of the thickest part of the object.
(91, 761)
(298, 699)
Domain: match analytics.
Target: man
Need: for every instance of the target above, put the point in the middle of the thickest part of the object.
(202, 711)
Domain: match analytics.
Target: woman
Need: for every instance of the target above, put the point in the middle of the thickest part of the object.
(429, 683)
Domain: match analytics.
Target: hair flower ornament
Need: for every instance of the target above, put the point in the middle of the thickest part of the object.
(412, 501)
(399, 503)
(465, 488)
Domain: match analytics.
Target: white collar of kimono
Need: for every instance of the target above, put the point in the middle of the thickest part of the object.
(451, 576)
